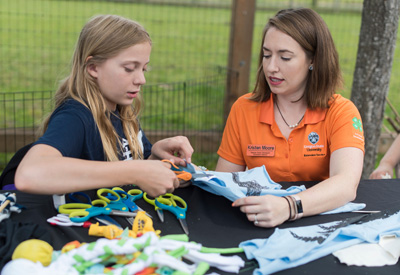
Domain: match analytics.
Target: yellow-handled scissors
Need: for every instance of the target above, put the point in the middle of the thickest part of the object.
(112, 198)
(159, 211)
(176, 205)
(81, 212)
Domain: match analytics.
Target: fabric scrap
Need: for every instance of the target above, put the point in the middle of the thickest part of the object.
(253, 182)
(291, 247)
(385, 252)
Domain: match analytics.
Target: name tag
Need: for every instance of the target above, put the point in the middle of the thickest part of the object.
(259, 150)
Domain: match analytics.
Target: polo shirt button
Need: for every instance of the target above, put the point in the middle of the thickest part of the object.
(287, 155)
(290, 139)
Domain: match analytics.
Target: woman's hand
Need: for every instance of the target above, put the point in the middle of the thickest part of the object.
(264, 211)
(177, 149)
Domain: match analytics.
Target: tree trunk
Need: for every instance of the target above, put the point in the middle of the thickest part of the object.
(373, 68)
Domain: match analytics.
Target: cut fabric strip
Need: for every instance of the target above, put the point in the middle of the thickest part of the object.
(291, 247)
(149, 250)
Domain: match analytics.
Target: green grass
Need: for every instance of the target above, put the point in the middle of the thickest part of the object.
(38, 36)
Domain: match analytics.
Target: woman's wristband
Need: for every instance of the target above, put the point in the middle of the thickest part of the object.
(298, 206)
(290, 208)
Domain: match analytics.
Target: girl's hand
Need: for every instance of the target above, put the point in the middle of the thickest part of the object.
(156, 178)
(264, 211)
(176, 149)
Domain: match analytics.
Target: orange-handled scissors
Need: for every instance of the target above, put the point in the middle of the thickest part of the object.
(183, 175)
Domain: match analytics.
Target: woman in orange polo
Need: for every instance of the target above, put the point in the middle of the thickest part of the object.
(295, 124)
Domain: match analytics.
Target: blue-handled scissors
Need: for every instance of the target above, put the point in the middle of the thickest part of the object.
(114, 201)
(176, 205)
(81, 197)
(128, 198)
(81, 212)
(159, 211)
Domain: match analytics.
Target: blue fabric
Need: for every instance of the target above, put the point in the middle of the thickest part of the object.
(73, 131)
(291, 247)
(253, 182)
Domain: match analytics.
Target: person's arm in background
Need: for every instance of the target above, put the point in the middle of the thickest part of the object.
(388, 162)
(224, 165)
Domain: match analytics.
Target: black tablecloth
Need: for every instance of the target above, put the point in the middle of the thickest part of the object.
(214, 223)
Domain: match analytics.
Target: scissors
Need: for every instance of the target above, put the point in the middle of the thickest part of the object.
(183, 175)
(64, 220)
(80, 212)
(176, 205)
(114, 201)
(129, 198)
(159, 211)
(81, 197)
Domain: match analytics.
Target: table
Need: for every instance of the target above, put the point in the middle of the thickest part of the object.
(214, 223)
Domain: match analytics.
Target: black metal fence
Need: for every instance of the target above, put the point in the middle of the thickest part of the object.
(190, 40)
(193, 108)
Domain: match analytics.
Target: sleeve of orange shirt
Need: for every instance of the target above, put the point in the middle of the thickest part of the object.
(230, 148)
(345, 125)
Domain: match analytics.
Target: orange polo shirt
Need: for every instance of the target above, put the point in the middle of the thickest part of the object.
(252, 138)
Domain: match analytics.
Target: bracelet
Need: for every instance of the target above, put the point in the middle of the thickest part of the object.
(290, 208)
(294, 208)
(299, 206)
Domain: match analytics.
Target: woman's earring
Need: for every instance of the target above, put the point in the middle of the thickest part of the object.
(311, 68)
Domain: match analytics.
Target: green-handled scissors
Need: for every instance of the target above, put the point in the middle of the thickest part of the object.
(159, 211)
(81, 212)
(176, 205)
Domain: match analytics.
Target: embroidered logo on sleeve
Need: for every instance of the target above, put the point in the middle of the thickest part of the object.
(357, 124)
(259, 150)
(358, 132)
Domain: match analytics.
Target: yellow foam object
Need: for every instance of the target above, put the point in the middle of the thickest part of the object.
(141, 225)
(35, 251)
(108, 231)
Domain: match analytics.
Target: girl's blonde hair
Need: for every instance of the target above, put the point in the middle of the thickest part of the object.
(103, 37)
(308, 29)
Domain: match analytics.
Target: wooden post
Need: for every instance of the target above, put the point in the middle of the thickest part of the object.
(240, 43)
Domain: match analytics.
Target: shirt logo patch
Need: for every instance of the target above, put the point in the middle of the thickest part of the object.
(260, 150)
(313, 137)
(357, 124)
(314, 150)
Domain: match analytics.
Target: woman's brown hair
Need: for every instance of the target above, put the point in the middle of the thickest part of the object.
(308, 29)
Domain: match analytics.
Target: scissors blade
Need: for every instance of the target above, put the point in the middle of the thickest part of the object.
(160, 214)
(366, 211)
(197, 176)
(123, 213)
(107, 220)
(140, 209)
(184, 226)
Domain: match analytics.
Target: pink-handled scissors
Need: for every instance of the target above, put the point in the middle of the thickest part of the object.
(64, 220)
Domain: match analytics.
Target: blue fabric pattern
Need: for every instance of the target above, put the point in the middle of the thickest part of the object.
(291, 247)
(253, 182)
